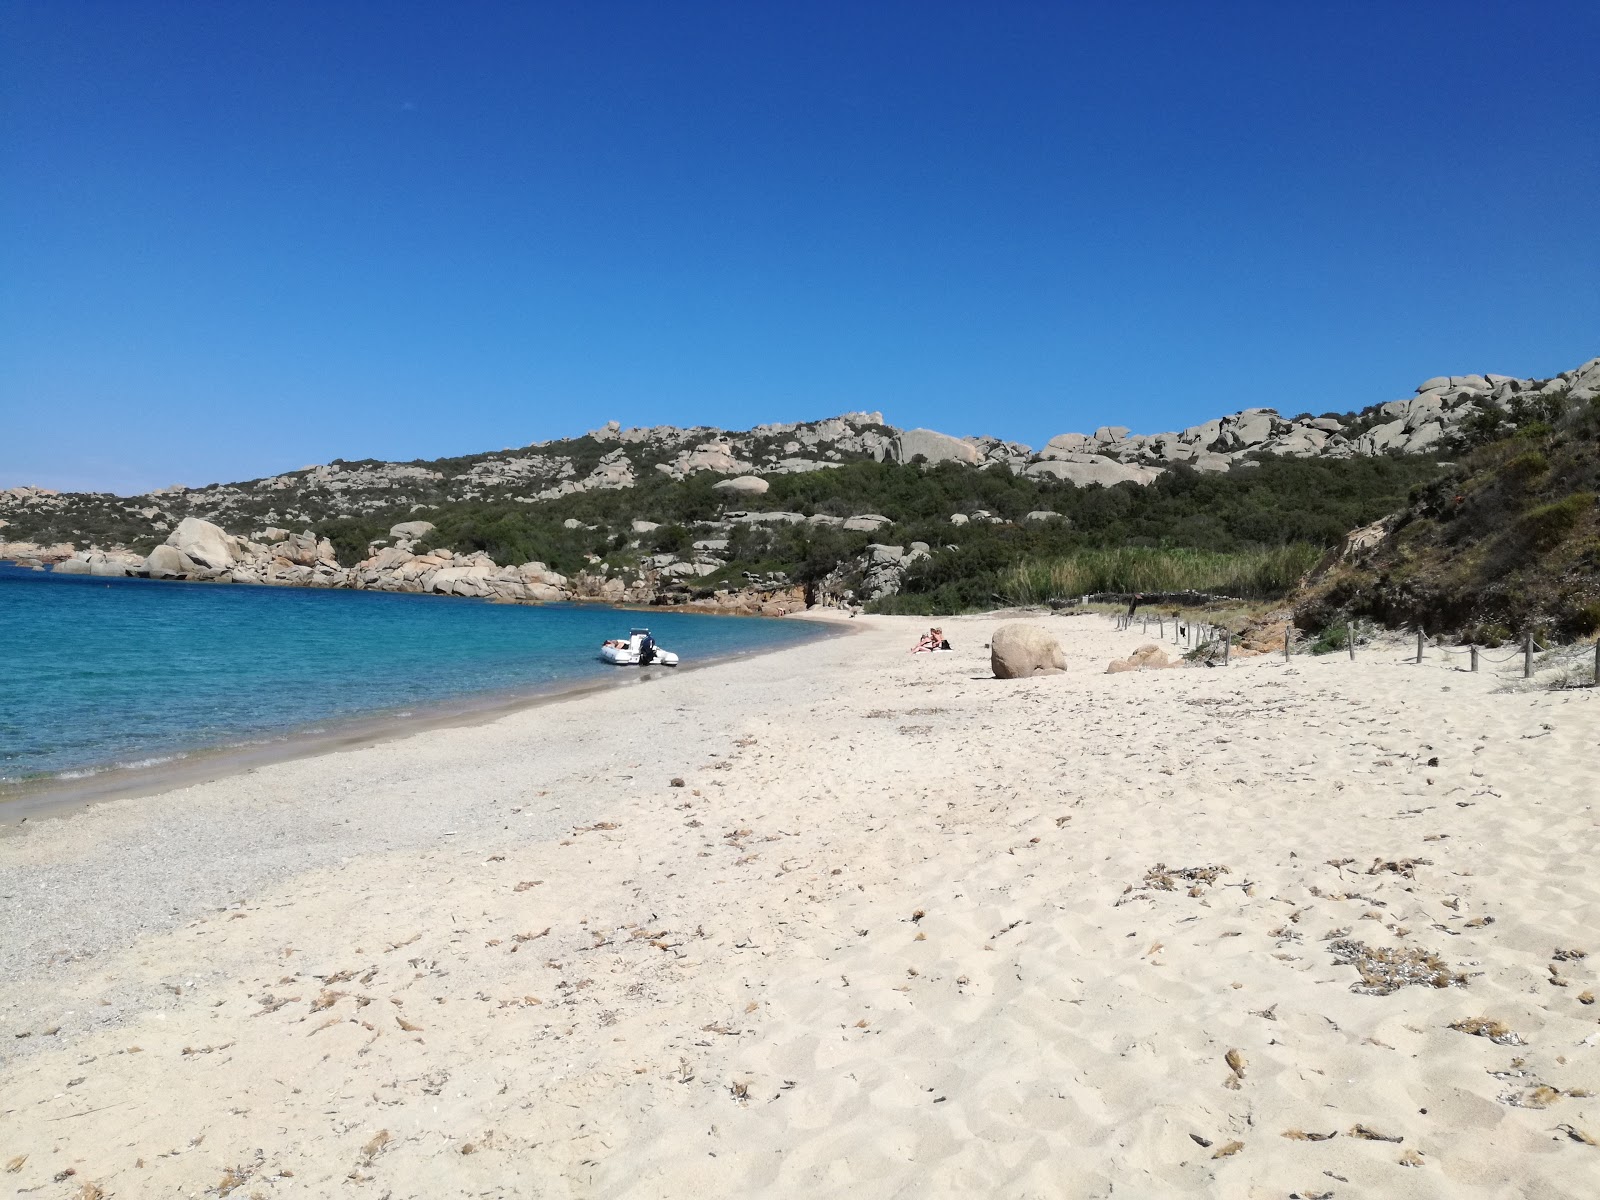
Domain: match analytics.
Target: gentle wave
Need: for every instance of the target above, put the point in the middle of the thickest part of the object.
(135, 765)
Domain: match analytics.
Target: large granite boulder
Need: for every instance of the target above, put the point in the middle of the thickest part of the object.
(1424, 438)
(205, 543)
(866, 522)
(1253, 426)
(165, 562)
(1020, 650)
(1379, 439)
(882, 569)
(72, 566)
(1067, 443)
(408, 531)
(768, 518)
(935, 448)
(1093, 469)
(715, 456)
(742, 485)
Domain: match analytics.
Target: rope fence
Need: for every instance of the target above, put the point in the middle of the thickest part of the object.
(1192, 635)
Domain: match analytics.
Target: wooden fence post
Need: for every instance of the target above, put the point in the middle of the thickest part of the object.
(1350, 639)
(1527, 656)
(1288, 641)
(1227, 647)
(1419, 643)
(1474, 658)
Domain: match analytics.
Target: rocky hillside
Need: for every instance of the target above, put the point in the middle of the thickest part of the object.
(671, 514)
(1505, 541)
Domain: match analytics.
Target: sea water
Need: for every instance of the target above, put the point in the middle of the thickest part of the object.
(97, 674)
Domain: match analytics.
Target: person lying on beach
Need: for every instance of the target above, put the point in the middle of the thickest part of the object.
(934, 639)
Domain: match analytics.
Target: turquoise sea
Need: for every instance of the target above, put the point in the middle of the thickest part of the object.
(103, 673)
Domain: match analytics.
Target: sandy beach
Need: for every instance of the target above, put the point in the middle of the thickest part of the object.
(840, 921)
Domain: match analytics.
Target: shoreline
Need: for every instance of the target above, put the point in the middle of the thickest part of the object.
(41, 798)
(842, 921)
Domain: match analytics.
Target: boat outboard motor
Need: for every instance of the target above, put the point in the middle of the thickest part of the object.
(647, 650)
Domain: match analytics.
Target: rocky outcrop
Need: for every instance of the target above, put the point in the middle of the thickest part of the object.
(204, 543)
(742, 485)
(1087, 469)
(168, 562)
(1021, 650)
(866, 522)
(935, 448)
(615, 458)
(870, 576)
(105, 564)
(741, 467)
(34, 554)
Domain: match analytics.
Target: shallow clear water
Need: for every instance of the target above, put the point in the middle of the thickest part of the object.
(106, 672)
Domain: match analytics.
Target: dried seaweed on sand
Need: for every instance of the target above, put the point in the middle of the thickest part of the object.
(1163, 878)
(1386, 969)
(1497, 1032)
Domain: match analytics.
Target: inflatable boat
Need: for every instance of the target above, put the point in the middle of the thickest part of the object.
(638, 649)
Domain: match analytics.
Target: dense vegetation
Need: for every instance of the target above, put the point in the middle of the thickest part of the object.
(1278, 504)
(1507, 540)
(1275, 504)
(1257, 574)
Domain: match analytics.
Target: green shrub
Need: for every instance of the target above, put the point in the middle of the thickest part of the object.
(1585, 619)
(1545, 527)
(1265, 573)
(671, 539)
(1530, 464)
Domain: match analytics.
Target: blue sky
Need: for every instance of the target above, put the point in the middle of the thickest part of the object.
(243, 237)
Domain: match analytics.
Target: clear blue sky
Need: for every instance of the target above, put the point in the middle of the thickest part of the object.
(243, 237)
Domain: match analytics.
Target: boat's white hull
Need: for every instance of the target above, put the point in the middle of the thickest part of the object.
(630, 657)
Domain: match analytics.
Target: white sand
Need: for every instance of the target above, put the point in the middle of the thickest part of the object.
(883, 943)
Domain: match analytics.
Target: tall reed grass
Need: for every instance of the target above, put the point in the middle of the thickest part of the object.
(1264, 574)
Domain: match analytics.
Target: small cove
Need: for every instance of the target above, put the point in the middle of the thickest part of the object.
(115, 675)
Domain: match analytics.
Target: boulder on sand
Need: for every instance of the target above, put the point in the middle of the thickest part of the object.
(1148, 657)
(1020, 651)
